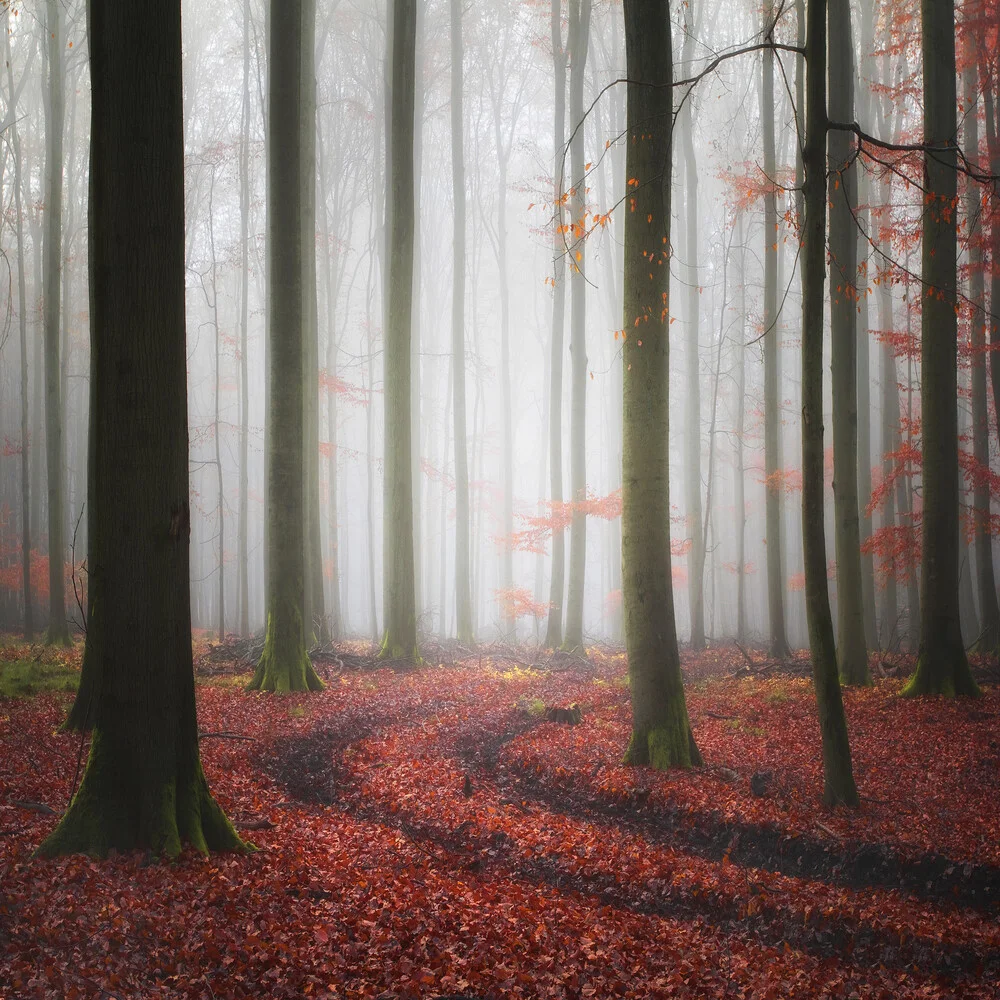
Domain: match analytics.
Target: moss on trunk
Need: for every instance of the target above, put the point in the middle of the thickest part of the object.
(284, 665)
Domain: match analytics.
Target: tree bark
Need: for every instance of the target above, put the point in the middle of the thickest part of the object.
(989, 639)
(579, 37)
(661, 730)
(942, 666)
(58, 630)
(557, 584)
(463, 591)
(838, 777)
(772, 403)
(243, 549)
(692, 432)
(852, 653)
(143, 786)
(284, 664)
(400, 636)
(22, 324)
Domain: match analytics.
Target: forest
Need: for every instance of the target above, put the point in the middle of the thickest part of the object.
(499, 498)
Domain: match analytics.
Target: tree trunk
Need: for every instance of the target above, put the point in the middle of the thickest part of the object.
(661, 730)
(942, 667)
(692, 432)
(400, 636)
(463, 592)
(284, 664)
(58, 631)
(740, 485)
(772, 402)
(243, 553)
(579, 37)
(557, 584)
(989, 639)
(852, 652)
(838, 777)
(22, 323)
(143, 786)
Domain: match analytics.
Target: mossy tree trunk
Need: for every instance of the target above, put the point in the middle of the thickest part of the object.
(284, 664)
(772, 402)
(989, 640)
(463, 584)
(557, 583)
(399, 639)
(58, 630)
(692, 344)
(579, 38)
(942, 666)
(838, 777)
(661, 731)
(143, 786)
(852, 651)
(22, 323)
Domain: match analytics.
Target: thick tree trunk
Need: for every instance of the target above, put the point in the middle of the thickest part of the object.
(661, 730)
(772, 402)
(284, 664)
(400, 635)
(143, 786)
(692, 430)
(838, 777)
(852, 653)
(463, 591)
(316, 623)
(579, 36)
(989, 638)
(557, 584)
(22, 324)
(942, 667)
(58, 630)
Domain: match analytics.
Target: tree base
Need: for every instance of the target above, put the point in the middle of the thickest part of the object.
(855, 674)
(391, 650)
(664, 747)
(105, 815)
(952, 678)
(284, 666)
(58, 636)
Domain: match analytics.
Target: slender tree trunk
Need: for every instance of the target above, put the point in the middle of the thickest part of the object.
(661, 730)
(942, 667)
(400, 635)
(370, 467)
(557, 585)
(445, 442)
(506, 553)
(243, 553)
(989, 640)
(740, 490)
(579, 35)
(852, 652)
(58, 631)
(22, 324)
(463, 592)
(37, 392)
(838, 777)
(284, 664)
(692, 434)
(143, 786)
(220, 511)
(772, 403)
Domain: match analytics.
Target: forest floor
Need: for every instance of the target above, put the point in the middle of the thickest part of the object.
(428, 832)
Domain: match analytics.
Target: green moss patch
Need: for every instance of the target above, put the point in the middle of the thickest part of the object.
(26, 678)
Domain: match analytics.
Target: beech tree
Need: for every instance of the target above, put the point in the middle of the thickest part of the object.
(579, 37)
(284, 664)
(661, 730)
(399, 639)
(838, 776)
(143, 786)
(463, 586)
(942, 666)
(58, 630)
(852, 653)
